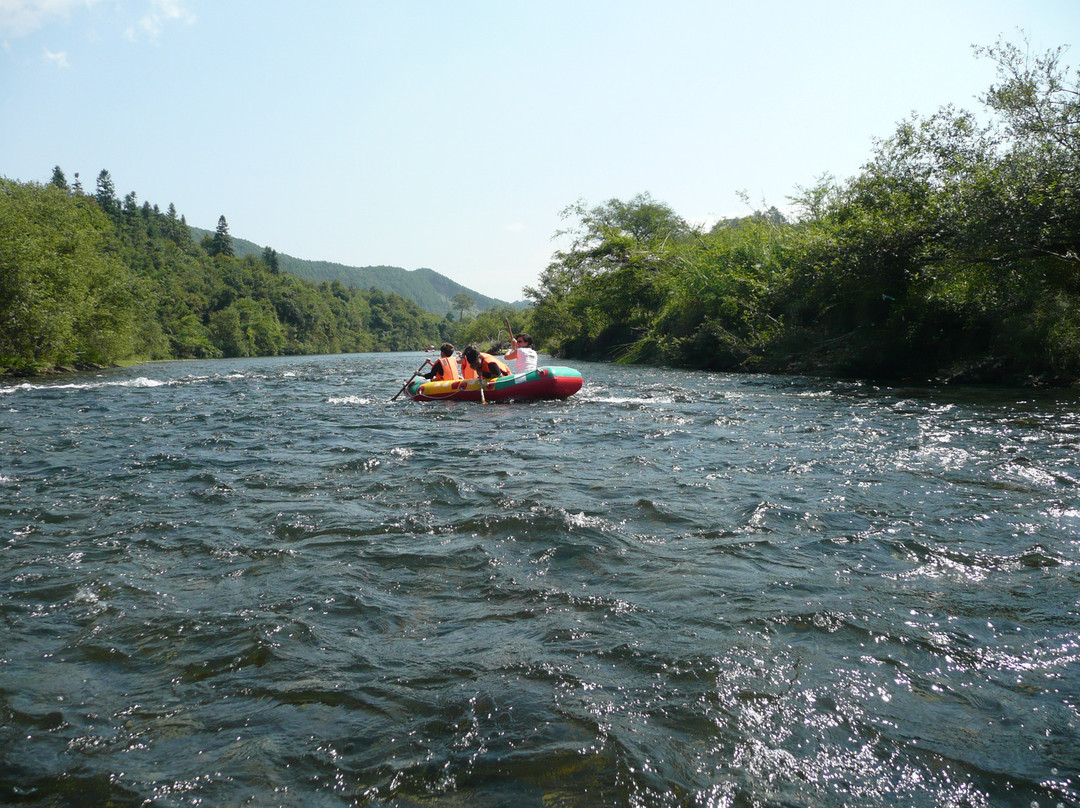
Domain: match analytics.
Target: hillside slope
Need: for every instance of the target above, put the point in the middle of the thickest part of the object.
(426, 287)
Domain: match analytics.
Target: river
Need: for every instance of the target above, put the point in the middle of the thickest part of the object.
(262, 582)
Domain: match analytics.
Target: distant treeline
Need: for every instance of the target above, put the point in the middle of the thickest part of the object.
(89, 279)
(954, 254)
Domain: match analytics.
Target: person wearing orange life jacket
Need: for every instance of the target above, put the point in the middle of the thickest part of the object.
(445, 367)
(486, 365)
(467, 370)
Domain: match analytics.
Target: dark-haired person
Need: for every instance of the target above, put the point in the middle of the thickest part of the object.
(523, 354)
(467, 370)
(445, 367)
(486, 365)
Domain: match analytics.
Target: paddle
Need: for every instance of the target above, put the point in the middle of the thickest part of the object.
(402, 390)
(510, 331)
(480, 378)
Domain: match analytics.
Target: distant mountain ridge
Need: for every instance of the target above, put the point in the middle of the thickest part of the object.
(426, 287)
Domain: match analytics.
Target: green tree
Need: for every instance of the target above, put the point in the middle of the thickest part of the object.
(1037, 97)
(221, 241)
(64, 296)
(462, 303)
(270, 258)
(59, 180)
(106, 193)
(598, 297)
(717, 296)
(247, 328)
(486, 328)
(191, 339)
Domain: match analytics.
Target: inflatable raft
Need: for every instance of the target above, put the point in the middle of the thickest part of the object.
(540, 384)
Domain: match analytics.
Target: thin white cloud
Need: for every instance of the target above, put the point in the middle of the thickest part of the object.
(20, 17)
(516, 227)
(59, 59)
(161, 13)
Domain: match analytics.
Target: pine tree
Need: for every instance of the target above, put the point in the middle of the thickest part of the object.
(106, 193)
(221, 243)
(270, 258)
(59, 180)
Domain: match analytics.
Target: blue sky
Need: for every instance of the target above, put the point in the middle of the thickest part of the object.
(452, 134)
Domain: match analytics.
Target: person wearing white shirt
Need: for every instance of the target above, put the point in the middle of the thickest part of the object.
(522, 353)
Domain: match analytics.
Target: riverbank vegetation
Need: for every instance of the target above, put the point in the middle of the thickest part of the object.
(89, 279)
(953, 255)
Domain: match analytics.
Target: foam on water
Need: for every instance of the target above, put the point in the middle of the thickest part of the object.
(23, 387)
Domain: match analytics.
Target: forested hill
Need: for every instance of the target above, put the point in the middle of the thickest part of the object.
(90, 279)
(425, 287)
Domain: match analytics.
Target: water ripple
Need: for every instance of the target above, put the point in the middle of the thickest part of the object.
(263, 582)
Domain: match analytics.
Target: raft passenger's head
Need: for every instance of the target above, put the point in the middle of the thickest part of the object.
(447, 349)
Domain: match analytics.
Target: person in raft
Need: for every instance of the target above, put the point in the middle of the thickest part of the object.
(445, 367)
(486, 365)
(467, 370)
(523, 353)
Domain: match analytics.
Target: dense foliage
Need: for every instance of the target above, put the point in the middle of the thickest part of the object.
(955, 253)
(91, 279)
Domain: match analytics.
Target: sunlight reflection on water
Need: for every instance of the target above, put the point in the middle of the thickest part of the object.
(260, 580)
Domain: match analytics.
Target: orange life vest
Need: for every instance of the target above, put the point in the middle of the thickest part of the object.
(449, 368)
(489, 363)
(468, 371)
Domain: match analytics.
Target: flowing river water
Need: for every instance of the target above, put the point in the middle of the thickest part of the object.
(261, 582)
